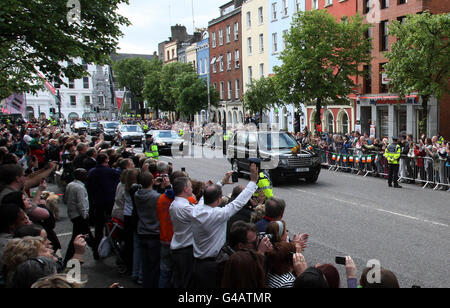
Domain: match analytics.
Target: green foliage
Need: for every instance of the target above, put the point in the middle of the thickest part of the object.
(321, 58)
(131, 74)
(169, 75)
(261, 95)
(152, 86)
(36, 36)
(419, 61)
(190, 93)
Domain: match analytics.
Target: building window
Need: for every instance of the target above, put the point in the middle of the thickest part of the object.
(298, 7)
(384, 4)
(366, 6)
(274, 42)
(85, 82)
(261, 70)
(328, 2)
(384, 35)
(402, 1)
(220, 37)
(383, 87)
(285, 34)
(230, 92)
(228, 34)
(85, 66)
(261, 43)
(236, 59)
(87, 100)
(315, 4)
(237, 86)
(249, 46)
(249, 20)
(285, 8)
(220, 63)
(401, 19)
(222, 93)
(260, 15)
(213, 38)
(274, 11)
(368, 79)
(229, 61)
(71, 84)
(213, 63)
(250, 74)
(236, 31)
(73, 100)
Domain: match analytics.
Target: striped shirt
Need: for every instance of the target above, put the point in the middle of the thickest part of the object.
(285, 280)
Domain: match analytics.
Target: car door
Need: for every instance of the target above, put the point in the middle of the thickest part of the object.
(241, 150)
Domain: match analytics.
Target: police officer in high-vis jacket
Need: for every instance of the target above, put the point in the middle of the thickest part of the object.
(150, 148)
(264, 183)
(392, 154)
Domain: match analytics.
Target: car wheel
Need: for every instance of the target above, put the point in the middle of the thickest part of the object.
(312, 178)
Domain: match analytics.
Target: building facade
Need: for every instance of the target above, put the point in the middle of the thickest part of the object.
(280, 14)
(203, 61)
(225, 50)
(78, 99)
(383, 112)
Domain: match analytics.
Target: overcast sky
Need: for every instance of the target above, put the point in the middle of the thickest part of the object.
(151, 21)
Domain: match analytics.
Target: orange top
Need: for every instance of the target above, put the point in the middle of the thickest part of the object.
(165, 223)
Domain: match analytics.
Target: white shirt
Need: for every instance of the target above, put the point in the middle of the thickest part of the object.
(180, 213)
(209, 225)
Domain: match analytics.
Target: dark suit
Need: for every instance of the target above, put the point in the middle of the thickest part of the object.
(101, 187)
(89, 163)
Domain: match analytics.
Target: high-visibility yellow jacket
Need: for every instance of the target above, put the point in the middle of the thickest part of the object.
(393, 153)
(152, 151)
(264, 185)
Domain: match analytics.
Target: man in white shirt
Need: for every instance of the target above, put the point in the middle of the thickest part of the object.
(209, 225)
(181, 245)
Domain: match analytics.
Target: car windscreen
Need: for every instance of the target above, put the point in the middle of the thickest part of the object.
(275, 141)
(131, 129)
(111, 125)
(81, 124)
(93, 125)
(167, 135)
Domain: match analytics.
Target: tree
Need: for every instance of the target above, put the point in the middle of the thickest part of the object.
(169, 75)
(320, 59)
(261, 95)
(39, 36)
(131, 74)
(419, 60)
(191, 94)
(152, 87)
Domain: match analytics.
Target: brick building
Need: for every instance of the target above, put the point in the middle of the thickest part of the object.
(377, 109)
(225, 48)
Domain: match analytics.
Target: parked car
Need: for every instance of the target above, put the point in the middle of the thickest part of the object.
(275, 149)
(133, 134)
(166, 139)
(93, 129)
(108, 129)
(79, 127)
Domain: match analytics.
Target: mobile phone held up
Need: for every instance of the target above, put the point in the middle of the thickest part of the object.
(340, 260)
(235, 177)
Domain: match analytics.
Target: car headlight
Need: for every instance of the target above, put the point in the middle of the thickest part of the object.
(161, 144)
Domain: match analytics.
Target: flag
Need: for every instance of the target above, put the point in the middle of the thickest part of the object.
(15, 104)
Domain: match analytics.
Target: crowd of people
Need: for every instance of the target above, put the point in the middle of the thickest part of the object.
(424, 161)
(178, 231)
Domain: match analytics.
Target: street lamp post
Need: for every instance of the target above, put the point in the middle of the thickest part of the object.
(59, 105)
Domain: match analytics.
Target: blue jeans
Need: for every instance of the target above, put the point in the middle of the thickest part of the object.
(150, 251)
(165, 276)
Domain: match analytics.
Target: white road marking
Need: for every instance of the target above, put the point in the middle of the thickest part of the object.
(376, 209)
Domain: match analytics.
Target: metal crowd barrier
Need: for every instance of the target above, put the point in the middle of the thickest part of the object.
(423, 170)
